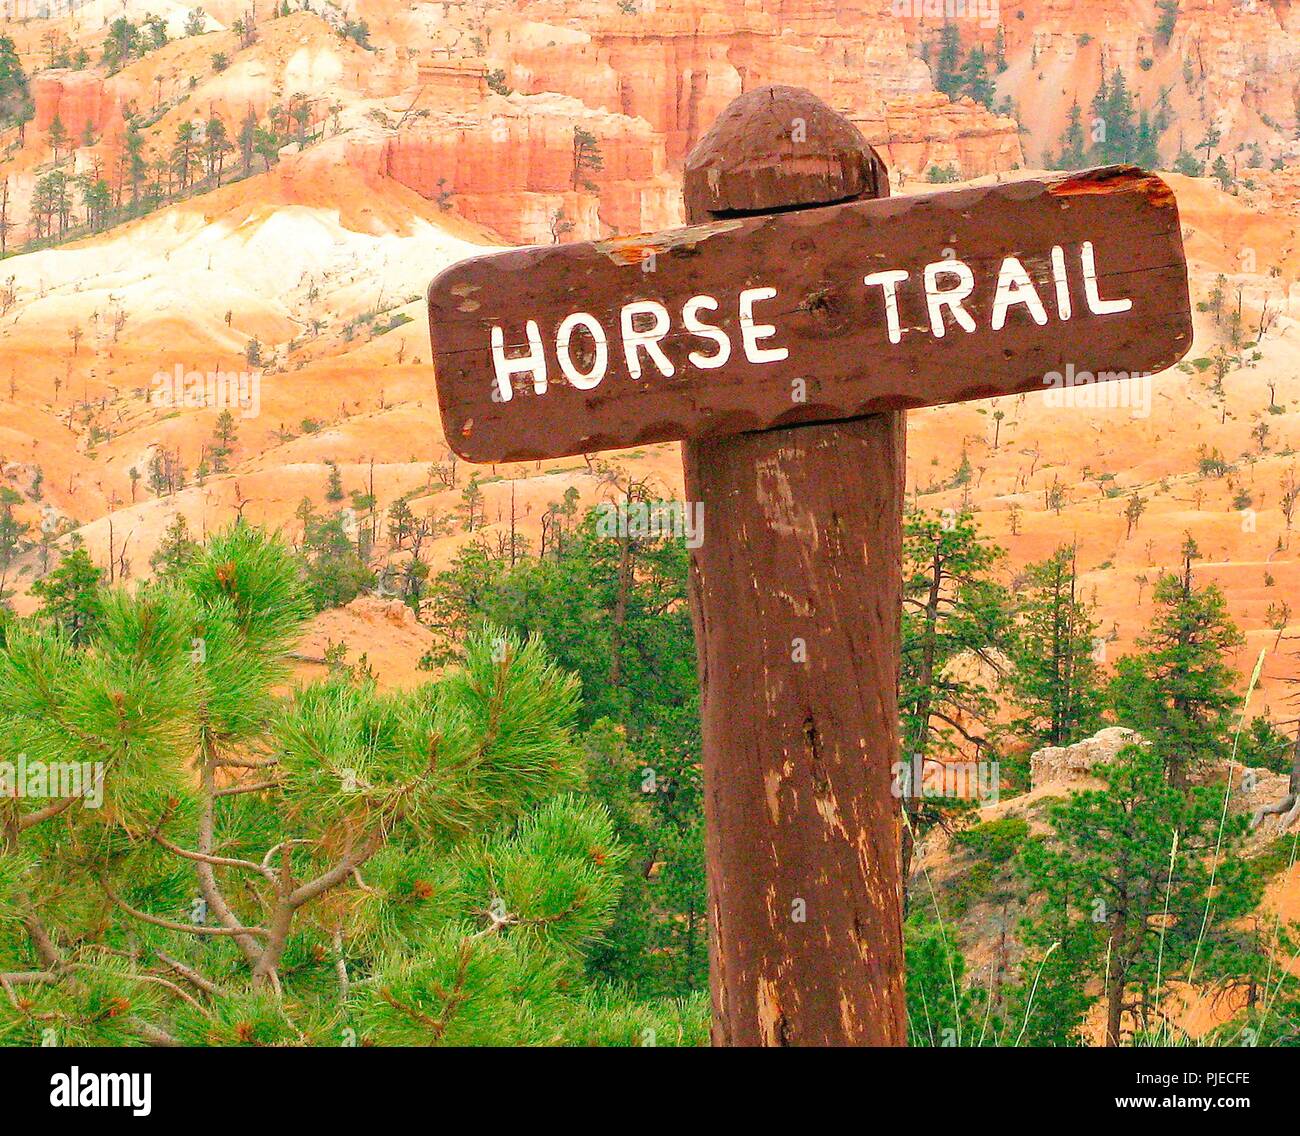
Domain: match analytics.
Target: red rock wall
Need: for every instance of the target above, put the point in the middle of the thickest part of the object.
(678, 63)
(77, 98)
(513, 170)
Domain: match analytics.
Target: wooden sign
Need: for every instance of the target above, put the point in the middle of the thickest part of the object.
(816, 315)
(781, 336)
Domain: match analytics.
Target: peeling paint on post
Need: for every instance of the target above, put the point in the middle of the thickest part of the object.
(796, 596)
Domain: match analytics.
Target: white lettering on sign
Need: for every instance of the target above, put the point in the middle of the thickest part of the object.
(697, 326)
(533, 363)
(936, 298)
(1096, 304)
(890, 281)
(582, 345)
(583, 380)
(1061, 281)
(751, 332)
(647, 339)
(1015, 287)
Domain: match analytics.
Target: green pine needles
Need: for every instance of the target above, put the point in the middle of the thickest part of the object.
(195, 853)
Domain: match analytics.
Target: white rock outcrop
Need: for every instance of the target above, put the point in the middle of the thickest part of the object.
(1063, 765)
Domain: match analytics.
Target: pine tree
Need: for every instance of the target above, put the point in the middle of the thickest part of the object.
(401, 520)
(184, 154)
(974, 79)
(334, 487)
(70, 595)
(612, 609)
(472, 503)
(586, 158)
(216, 145)
(946, 78)
(12, 532)
(1178, 691)
(1141, 885)
(951, 607)
(1055, 677)
(136, 165)
(943, 1010)
(335, 573)
(1221, 173)
(58, 136)
(247, 140)
(1168, 10)
(122, 44)
(1145, 152)
(1108, 107)
(1074, 143)
(223, 439)
(338, 866)
(16, 105)
(953, 610)
(176, 551)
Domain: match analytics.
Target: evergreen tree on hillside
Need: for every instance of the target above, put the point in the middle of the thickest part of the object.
(952, 607)
(1145, 152)
(136, 166)
(1178, 689)
(1168, 18)
(1055, 677)
(12, 534)
(611, 607)
(216, 145)
(247, 140)
(956, 618)
(1221, 173)
(1123, 130)
(70, 595)
(16, 105)
(58, 137)
(335, 573)
(1074, 142)
(176, 551)
(946, 77)
(1138, 886)
(943, 1010)
(975, 80)
(1113, 105)
(122, 43)
(185, 155)
(336, 867)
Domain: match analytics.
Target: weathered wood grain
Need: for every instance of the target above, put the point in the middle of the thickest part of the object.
(795, 596)
(841, 362)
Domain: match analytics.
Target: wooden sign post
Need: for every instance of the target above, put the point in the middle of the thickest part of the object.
(780, 336)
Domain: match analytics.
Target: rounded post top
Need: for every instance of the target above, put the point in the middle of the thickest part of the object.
(776, 148)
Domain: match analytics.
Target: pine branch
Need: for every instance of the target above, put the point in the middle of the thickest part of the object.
(46, 951)
(170, 925)
(255, 787)
(212, 892)
(191, 975)
(152, 1034)
(336, 875)
(28, 820)
(218, 861)
(28, 977)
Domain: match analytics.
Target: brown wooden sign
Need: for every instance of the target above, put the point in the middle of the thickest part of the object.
(817, 315)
